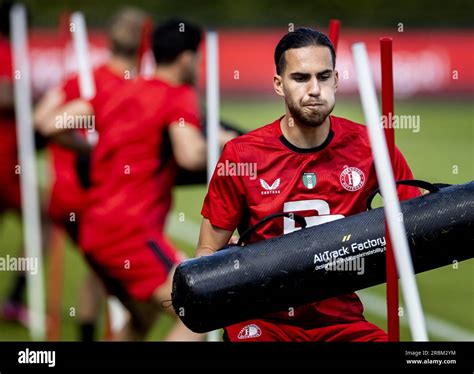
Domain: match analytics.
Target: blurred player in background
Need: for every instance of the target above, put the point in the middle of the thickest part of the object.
(148, 129)
(68, 196)
(311, 163)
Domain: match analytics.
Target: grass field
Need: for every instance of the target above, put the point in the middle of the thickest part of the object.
(442, 151)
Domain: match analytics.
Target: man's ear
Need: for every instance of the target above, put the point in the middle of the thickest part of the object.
(185, 57)
(336, 80)
(278, 85)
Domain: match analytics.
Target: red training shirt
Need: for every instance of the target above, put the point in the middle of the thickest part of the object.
(132, 169)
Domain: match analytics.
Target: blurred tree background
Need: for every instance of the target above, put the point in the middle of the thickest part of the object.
(273, 13)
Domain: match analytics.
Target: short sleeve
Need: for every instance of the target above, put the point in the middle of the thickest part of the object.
(184, 106)
(224, 204)
(402, 171)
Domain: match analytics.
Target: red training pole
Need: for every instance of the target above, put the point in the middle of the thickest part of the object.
(334, 27)
(393, 320)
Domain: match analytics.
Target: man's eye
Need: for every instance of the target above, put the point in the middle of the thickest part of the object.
(299, 79)
(325, 77)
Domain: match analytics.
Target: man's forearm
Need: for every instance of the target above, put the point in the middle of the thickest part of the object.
(211, 238)
(204, 251)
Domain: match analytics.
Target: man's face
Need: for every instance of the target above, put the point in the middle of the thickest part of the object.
(308, 82)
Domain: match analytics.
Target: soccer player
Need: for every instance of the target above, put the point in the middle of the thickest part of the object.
(308, 162)
(68, 196)
(147, 129)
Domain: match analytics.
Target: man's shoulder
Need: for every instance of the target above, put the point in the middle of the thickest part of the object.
(346, 125)
(347, 131)
(104, 72)
(141, 90)
(255, 137)
(98, 72)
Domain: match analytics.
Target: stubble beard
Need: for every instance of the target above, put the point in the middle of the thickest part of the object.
(312, 118)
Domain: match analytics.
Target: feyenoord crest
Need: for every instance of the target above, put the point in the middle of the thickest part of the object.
(309, 180)
(250, 331)
(352, 179)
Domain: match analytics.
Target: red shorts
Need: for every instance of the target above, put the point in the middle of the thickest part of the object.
(67, 199)
(265, 331)
(61, 211)
(66, 214)
(136, 267)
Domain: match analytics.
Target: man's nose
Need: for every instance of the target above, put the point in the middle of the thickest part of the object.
(314, 89)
